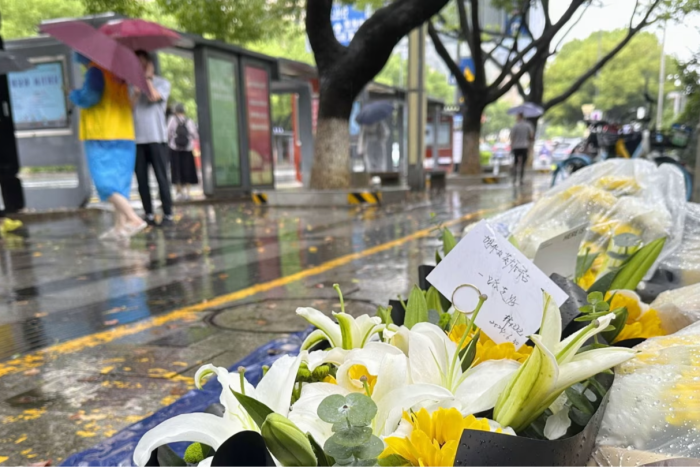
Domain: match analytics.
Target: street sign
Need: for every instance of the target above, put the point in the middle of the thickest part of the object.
(467, 67)
(346, 20)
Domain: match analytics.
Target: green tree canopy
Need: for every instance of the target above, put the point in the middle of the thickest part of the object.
(619, 87)
(21, 17)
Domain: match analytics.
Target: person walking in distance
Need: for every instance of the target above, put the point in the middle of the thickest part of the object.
(107, 131)
(151, 138)
(182, 133)
(521, 135)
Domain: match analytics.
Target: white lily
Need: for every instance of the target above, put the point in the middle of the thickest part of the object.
(552, 367)
(274, 390)
(349, 333)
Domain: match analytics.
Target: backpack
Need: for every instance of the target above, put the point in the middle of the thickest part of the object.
(182, 136)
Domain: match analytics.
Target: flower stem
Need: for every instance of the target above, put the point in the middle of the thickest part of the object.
(241, 377)
(340, 295)
(455, 358)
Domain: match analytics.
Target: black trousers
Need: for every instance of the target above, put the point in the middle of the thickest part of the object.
(156, 155)
(520, 156)
(12, 193)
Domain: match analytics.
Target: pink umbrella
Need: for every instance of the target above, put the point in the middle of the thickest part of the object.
(99, 48)
(138, 34)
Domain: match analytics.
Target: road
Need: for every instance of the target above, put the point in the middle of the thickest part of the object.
(95, 337)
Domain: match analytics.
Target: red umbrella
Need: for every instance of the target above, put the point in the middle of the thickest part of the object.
(138, 34)
(101, 49)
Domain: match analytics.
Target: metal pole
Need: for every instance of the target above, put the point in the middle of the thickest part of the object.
(417, 107)
(662, 79)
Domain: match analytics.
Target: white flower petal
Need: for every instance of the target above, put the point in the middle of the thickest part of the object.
(324, 323)
(551, 323)
(393, 374)
(566, 349)
(590, 363)
(483, 384)
(206, 462)
(275, 388)
(228, 381)
(555, 427)
(195, 428)
(391, 407)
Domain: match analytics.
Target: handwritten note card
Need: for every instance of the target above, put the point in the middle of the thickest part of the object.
(558, 254)
(513, 284)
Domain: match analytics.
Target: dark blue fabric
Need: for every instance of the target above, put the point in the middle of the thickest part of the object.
(91, 92)
(119, 449)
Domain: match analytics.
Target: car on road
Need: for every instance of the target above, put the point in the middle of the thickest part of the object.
(564, 149)
(542, 159)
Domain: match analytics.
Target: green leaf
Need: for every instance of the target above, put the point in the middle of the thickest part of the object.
(595, 297)
(322, 459)
(584, 263)
(351, 436)
(603, 283)
(594, 345)
(617, 325)
(369, 450)
(468, 353)
(432, 298)
(393, 460)
(331, 409)
(385, 314)
(578, 417)
(437, 257)
(602, 306)
(580, 401)
(444, 321)
(586, 309)
(361, 409)
(618, 256)
(417, 308)
(256, 409)
(448, 241)
(166, 456)
(364, 462)
(633, 271)
(597, 387)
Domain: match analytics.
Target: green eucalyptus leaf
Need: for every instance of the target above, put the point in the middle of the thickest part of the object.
(618, 256)
(626, 240)
(597, 387)
(417, 308)
(393, 460)
(468, 353)
(332, 409)
(433, 317)
(343, 462)
(361, 409)
(595, 298)
(602, 306)
(578, 417)
(432, 298)
(336, 450)
(364, 462)
(256, 409)
(369, 450)
(351, 436)
(322, 459)
(448, 241)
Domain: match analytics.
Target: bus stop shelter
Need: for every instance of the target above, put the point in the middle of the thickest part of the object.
(232, 88)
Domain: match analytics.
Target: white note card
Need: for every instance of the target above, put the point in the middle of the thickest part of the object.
(513, 284)
(558, 254)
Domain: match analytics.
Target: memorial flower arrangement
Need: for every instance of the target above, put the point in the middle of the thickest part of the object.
(374, 393)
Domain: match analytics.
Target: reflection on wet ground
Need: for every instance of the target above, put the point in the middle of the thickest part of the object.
(94, 337)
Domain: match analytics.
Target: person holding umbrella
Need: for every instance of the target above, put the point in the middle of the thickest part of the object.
(106, 123)
(107, 130)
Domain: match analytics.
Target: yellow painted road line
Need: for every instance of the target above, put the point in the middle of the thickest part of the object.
(36, 359)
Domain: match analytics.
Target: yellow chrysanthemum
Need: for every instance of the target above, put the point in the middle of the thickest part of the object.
(683, 397)
(486, 349)
(590, 195)
(621, 185)
(435, 436)
(642, 321)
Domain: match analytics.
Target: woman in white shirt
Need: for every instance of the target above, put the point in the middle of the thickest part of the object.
(182, 133)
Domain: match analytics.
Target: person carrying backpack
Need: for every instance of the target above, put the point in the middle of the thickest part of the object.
(182, 133)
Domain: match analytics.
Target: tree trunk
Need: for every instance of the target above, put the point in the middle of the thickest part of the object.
(331, 167)
(471, 129)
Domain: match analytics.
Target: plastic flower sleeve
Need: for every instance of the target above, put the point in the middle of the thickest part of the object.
(626, 203)
(654, 404)
(678, 308)
(684, 262)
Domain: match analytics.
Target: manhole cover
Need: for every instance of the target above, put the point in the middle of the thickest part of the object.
(276, 316)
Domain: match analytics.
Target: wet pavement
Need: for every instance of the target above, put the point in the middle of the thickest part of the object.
(95, 337)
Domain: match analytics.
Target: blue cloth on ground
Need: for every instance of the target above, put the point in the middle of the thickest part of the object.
(119, 449)
(111, 164)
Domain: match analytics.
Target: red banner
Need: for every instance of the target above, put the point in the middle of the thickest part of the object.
(259, 136)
